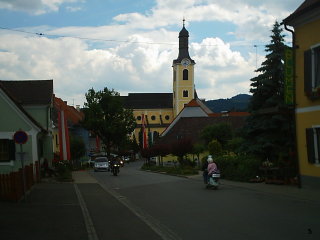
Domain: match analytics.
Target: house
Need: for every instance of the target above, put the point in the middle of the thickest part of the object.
(24, 106)
(306, 54)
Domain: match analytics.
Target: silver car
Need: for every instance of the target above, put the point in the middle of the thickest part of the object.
(101, 164)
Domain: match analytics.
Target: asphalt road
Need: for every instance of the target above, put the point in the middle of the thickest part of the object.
(180, 208)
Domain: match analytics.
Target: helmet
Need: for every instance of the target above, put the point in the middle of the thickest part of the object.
(209, 159)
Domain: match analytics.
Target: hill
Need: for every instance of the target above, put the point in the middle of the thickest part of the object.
(237, 103)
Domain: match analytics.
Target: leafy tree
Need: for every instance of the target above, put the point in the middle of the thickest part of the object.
(220, 131)
(269, 129)
(181, 148)
(106, 117)
(197, 150)
(215, 148)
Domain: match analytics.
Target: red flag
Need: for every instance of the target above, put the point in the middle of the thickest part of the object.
(144, 134)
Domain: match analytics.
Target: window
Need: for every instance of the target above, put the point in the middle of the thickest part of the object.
(7, 150)
(185, 93)
(167, 117)
(153, 117)
(185, 74)
(139, 118)
(312, 72)
(313, 145)
(174, 75)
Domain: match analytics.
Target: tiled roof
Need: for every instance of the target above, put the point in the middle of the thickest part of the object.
(148, 100)
(18, 105)
(72, 114)
(191, 127)
(25, 92)
(305, 7)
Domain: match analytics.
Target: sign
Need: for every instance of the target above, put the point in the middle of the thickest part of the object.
(288, 76)
(20, 137)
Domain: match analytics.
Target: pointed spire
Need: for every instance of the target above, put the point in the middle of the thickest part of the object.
(183, 21)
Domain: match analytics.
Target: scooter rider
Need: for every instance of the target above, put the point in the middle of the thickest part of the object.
(212, 166)
(205, 169)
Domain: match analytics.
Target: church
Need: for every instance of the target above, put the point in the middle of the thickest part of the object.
(156, 111)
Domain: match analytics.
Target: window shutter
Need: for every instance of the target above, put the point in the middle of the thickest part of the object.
(308, 71)
(12, 150)
(310, 145)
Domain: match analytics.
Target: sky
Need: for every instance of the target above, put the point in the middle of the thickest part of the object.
(129, 45)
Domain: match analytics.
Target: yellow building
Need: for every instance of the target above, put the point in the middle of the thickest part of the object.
(159, 109)
(306, 41)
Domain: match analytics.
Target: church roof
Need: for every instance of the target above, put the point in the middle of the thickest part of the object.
(184, 32)
(191, 127)
(25, 92)
(148, 100)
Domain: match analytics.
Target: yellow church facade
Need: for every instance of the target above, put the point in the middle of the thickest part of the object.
(159, 109)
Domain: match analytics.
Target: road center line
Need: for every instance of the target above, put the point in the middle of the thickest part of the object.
(164, 232)
(92, 235)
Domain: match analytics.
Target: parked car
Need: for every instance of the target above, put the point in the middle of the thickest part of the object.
(101, 164)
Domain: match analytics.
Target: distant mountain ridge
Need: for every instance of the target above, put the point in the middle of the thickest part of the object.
(237, 103)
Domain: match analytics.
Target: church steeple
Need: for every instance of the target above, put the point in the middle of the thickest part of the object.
(183, 74)
(183, 45)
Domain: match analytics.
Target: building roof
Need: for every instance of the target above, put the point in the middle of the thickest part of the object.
(231, 114)
(191, 127)
(148, 100)
(72, 115)
(306, 7)
(18, 105)
(196, 102)
(30, 92)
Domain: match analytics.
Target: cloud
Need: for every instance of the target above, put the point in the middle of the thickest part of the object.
(130, 58)
(34, 7)
(127, 67)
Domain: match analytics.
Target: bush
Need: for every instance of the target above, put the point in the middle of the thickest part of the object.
(238, 167)
(63, 169)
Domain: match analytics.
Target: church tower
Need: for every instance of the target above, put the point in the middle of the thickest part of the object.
(183, 74)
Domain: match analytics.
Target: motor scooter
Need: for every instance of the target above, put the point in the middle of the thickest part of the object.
(213, 180)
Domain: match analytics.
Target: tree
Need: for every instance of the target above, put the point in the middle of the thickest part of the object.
(215, 148)
(269, 128)
(220, 131)
(181, 148)
(106, 116)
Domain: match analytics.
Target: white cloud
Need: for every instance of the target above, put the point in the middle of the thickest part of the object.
(35, 7)
(76, 65)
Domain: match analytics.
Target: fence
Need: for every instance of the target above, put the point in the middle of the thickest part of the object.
(11, 185)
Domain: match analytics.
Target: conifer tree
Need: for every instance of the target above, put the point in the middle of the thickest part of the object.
(269, 129)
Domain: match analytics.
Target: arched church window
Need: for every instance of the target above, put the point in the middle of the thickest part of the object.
(185, 93)
(139, 118)
(185, 74)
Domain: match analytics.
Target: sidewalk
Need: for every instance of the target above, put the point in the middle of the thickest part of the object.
(50, 211)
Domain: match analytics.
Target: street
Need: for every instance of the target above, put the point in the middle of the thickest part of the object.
(139, 205)
(181, 208)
